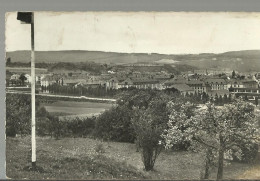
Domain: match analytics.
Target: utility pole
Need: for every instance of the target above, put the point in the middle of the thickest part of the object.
(28, 18)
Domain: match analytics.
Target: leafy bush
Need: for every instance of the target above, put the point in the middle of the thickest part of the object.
(148, 137)
(42, 127)
(51, 125)
(11, 130)
(42, 121)
(115, 125)
(18, 114)
(18, 120)
(249, 153)
(71, 127)
(80, 127)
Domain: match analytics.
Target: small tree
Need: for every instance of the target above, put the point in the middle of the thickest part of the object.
(181, 129)
(220, 100)
(246, 98)
(225, 99)
(8, 61)
(22, 78)
(148, 137)
(216, 99)
(42, 121)
(55, 127)
(205, 97)
(233, 74)
(229, 98)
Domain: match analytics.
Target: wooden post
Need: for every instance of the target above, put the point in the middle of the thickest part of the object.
(33, 95)
(28, 18)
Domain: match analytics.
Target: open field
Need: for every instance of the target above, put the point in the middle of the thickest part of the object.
(77, 158)
(76, 108)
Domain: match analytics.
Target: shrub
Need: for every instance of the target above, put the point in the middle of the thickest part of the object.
(42, 126)
(148, 137)
(55, 128)
(18, 114)
(11, 130)
(18, 120)
(42, 121)
(115, 125)
(249, 153)
(80, 127)
(149, 143)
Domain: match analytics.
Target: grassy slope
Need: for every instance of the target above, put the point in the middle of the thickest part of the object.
(61, 160)
(70, 158)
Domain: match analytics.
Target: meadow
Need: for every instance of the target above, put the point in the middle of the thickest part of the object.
(76, 108)
(85, 158)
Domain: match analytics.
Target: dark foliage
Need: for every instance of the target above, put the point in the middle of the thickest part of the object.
(97, 91)
(18, 114)
(148, 136)
(73, 127)
(115, 124)
(249, 153)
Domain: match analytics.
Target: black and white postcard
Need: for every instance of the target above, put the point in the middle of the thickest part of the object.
(132, 95)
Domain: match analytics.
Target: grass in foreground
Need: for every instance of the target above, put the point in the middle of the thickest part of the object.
(64, 164)
(78, 158)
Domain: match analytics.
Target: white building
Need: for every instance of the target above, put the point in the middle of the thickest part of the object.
(28, 78)
(15, 77)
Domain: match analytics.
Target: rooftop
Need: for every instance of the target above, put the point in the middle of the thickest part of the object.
(181, 87)
(215, 80)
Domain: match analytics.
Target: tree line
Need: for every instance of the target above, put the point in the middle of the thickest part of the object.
(92, 67)
(96, 91)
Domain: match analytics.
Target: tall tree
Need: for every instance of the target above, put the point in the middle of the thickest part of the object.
(220, 130)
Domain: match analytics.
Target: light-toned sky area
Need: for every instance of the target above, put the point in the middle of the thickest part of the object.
(168, 33)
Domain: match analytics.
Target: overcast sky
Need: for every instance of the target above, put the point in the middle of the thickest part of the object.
(168, 33)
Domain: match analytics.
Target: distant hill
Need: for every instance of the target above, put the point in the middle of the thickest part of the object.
(246, 60)
(243, 61)
(84, 56)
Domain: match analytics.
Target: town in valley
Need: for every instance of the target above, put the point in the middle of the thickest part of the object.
(80, 78)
